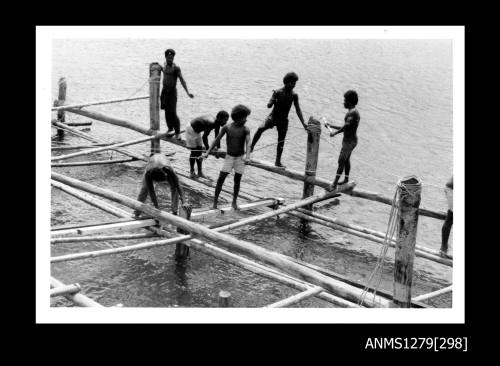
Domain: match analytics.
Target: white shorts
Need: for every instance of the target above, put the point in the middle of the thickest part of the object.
(231, 162)
(193, 139)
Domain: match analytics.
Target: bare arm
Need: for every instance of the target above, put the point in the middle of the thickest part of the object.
(216, 141)
(205, 136)
(347, 123)
(143, 194)
(183, 82)
(298, 110)
(151, 189)
(272, 100)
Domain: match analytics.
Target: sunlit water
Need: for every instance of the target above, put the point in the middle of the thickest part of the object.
(405, 92)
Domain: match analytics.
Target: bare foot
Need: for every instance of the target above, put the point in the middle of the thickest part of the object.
(192, 175)
(344, 181)
(279, 165)
(235, 206)
(201, 175)
(444, 254)
(332, 187)
(214, 207)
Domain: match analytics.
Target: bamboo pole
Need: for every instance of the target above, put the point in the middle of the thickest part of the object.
(254, 251)
(361, 229)
(65, 290)
(79, 124)
(103, 148)
(409, 200)
(313, 137)
(61, 99)
(65, 107)
(224, 299)
(271, 202)
(154, 103)
(75, 147)
(90, 200)
(93, 139)
(95, 162)
(86, 229)
(79, 239)
(78, 299)
(296, 298)
(433, 294)
(418, 252)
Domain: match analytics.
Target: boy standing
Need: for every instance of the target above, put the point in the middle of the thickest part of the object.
(238, 135)
(282, 100)
(194, 139)
(168, 96)
(350, 140)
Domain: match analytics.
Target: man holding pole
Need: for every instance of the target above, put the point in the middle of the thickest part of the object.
(168, 96)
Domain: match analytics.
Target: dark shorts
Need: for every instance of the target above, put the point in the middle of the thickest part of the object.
(168, 100)
(347, 148)
(270, 122)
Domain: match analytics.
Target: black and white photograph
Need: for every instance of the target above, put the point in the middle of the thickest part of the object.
(250, 174)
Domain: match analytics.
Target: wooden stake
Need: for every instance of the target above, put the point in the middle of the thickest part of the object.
(182, 250)
(154, 103)
(409, 200)
(313, 136)
(224, 299)
(61, 99)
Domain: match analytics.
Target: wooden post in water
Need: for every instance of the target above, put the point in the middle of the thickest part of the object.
(182, 250)
(409, 201)
(313, 135)
(61, 99)
(224, 299)
(154, 106)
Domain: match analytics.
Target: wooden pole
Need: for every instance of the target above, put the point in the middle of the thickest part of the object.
(296, 298)
(95, 162)
(65, 290)
(110, 147)
(433, 294)
(154, 103)
(409, 190)
(63, 108)
(77, 239)
(76, 147)
(61, 99)
(78, 299)
(313, 137)
(224, 299)
(121, 226)
(182, 250)
(337, 287)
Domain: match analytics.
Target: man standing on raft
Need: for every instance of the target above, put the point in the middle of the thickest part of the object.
(168, 96)
(282, 100)
(350, 140)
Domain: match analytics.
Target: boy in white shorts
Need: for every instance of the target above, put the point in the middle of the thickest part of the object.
(237, 137)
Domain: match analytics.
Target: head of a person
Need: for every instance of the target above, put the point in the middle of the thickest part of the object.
(169, 55)
(350, 99)
(222, 117)
(240, 113)
(289, 80)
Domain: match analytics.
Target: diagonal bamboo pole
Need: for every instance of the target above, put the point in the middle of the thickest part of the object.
(79, 239)
(95, 162)
(110, 147)
(65, 107)
(296, 298)
(433, 294)
(65, 290)
(337, 287)
(78, 299)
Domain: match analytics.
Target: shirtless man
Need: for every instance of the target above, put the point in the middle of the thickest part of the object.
(238, 135)
(158, 169)
(168, 97)
(194, 139)
(350, 139)
(282, 100)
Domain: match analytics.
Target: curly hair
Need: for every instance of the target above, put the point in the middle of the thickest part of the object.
(291, 76)
(169, 51)
(351, 97)
(240, 111)
(222, 115)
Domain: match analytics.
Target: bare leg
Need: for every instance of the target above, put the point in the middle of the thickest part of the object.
(347, 167)
(218, 187)
(445, 233)
(192, 158)
(237, 181)
(281, 144)
(256, 137)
